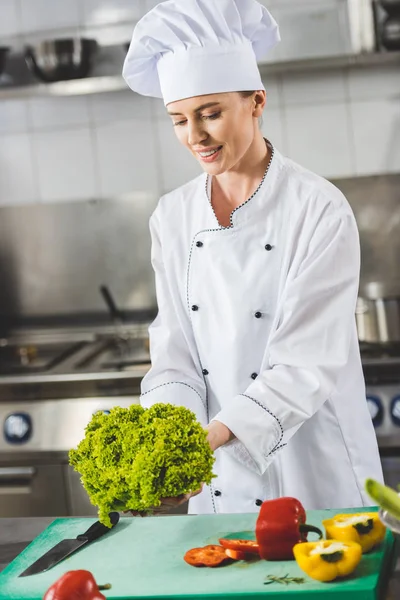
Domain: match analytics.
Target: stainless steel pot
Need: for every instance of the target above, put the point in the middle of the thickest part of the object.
(61, 59)
(378, 313)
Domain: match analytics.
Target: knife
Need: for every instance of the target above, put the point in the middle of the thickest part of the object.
(68, 547)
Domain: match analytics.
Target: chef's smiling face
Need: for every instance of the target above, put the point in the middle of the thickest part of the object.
(218, 129)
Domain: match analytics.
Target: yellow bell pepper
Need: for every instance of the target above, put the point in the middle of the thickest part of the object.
(364, 528)
(328, 559)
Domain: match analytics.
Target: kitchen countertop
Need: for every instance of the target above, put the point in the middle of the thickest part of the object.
(17, 533)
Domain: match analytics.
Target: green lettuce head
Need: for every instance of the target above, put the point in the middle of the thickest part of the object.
(132, 457)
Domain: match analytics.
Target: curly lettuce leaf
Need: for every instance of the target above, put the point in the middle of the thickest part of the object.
(131, 458)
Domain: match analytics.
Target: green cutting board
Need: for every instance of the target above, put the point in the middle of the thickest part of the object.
(143, 558)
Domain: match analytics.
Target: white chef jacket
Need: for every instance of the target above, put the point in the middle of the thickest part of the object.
(256, 329)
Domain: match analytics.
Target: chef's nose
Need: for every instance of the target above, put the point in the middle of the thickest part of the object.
(196, 133)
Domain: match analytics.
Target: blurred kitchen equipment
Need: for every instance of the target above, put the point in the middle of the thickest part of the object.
(61, 59)
(4, 50)
(392, 7)
(378, 313)
(121, 335)
(323, 28)
(391, 33)
(390, 25)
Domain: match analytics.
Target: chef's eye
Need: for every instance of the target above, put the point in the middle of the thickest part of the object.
(179, 123)
(213, 116)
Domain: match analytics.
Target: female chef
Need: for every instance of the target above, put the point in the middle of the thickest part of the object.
(257, 269)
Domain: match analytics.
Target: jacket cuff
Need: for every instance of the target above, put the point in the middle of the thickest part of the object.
(255, 445)
(178, 393)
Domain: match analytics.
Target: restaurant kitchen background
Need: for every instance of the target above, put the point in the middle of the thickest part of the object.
(83, 162)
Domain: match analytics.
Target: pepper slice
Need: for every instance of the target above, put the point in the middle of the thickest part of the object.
(280, 525)
(75, 585)
(208, 556)
(236, 554)
(248, 546)
(328, 559)
(364, 528)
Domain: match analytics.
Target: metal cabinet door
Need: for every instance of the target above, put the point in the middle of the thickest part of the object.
(78, 501)
(32, 491)
(391, 470)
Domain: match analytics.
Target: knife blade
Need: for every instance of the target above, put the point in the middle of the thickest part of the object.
(67, 547)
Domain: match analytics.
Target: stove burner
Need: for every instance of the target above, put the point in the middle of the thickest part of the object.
(116, 355)
(380, 351)
(35, 358)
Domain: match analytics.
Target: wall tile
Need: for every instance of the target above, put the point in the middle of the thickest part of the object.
(177, 164)
(9, 21)
(120, 106)
(158, 108)
(58, 112)
(149, 4)
(43, 15)
(319, 138)
(313, 88)
(381, 82)
(272, 128)
(65, 164)
(376, 126)
(104, 12)
(17, 179)
(126, 158)
(273, 88)
(13, 116)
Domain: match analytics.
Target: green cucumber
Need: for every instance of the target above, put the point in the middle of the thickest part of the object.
(384, 496)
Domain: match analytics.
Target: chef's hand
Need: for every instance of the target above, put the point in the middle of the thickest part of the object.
(218, 434)
(167, 504)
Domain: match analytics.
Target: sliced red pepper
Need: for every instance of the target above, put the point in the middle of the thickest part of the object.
(75, 585)
(280, 525)
(236, 554)
(248, 546)
(208, 556)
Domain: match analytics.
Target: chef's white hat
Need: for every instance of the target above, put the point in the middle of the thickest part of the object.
(186, 48)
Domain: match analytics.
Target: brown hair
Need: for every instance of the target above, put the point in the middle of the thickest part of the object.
(246, 94)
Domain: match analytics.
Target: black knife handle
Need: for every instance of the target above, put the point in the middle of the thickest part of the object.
(98, 529)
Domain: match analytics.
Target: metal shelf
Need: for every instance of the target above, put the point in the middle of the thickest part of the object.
(113, 83)
(74, 87)
(351, 61)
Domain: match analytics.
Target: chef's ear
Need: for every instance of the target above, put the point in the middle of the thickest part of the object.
(259, 100)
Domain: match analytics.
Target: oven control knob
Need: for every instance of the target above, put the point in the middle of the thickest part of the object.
(18, 428)
(375, 410)
(395, 410)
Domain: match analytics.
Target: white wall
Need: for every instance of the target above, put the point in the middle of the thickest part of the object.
(339, 123)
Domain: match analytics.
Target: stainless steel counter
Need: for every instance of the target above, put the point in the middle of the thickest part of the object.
(16, 534)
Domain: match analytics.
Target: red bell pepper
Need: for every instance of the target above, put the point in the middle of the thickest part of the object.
(280, 525)
(76, 585)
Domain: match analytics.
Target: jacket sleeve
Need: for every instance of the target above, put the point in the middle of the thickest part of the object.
(307, 349)
(174, 374)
